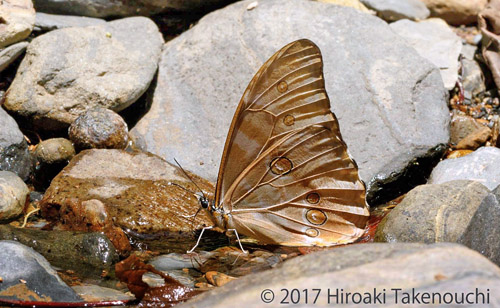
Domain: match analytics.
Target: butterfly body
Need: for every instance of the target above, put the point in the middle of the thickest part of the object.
(285, 176)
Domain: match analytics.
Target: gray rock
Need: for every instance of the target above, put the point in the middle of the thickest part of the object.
(99, 128)
(11, 53)
(468, 51)
(483, 233)
(362, 268)
(177, 261)
(389, 101)
(17, 18)
(94, 293)
(434, 40)
(472, 78)
(13, 194)
(87, 254)
(481, 166)
(68, 71)
(111, 8)
(14, 154)
(39, 281)
(48, 22)
(432, 213)
(392, 10)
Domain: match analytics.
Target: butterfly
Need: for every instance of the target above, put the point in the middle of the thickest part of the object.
(285, 176)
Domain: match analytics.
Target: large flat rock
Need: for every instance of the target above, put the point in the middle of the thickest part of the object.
(390, 102)
(371, 268)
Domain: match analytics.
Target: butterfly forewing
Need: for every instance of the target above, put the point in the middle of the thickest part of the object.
(285, 175)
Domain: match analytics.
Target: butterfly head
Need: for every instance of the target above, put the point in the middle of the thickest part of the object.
(204, 202)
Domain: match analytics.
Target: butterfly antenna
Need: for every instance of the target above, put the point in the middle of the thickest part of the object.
(180, 186)
(187, 175)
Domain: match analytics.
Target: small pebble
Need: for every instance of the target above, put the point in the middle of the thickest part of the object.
(218, 279)
(13, 196)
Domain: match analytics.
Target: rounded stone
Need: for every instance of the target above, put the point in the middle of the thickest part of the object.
(99, 128)
(17, 18)
(13, 194)
(54, 150)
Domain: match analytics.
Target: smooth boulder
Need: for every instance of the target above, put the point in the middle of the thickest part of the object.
(68, 71)
(390, 102)
(481, 166)
(433, 213)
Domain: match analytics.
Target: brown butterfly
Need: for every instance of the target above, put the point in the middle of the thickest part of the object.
(285, 176)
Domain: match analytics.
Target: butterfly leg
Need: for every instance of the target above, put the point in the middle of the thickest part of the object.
(199, 238)
(238, 238)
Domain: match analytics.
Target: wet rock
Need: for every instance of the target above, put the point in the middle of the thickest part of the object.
(48, 22)
(88, 254)
(462, 126)
(93, 293)
(351, 3)
(392, 10)
(133, 191)
(14, 154)
(475, 139)
(113, 8)
(90, 216)
(27, 276)
(184, 277)
(432, 213)
(231, 261)
(50, 91)
(481, 166)
(51, 156)
(361, 268)
(13, 196)
(360, 51)
(11, 53)
(456, 12)
(177, 261)
(99, 128)
(434, 40)
(413, 169)
(16, 18)
(482, 233)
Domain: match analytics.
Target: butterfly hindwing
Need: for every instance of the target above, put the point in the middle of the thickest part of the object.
(285, 175)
